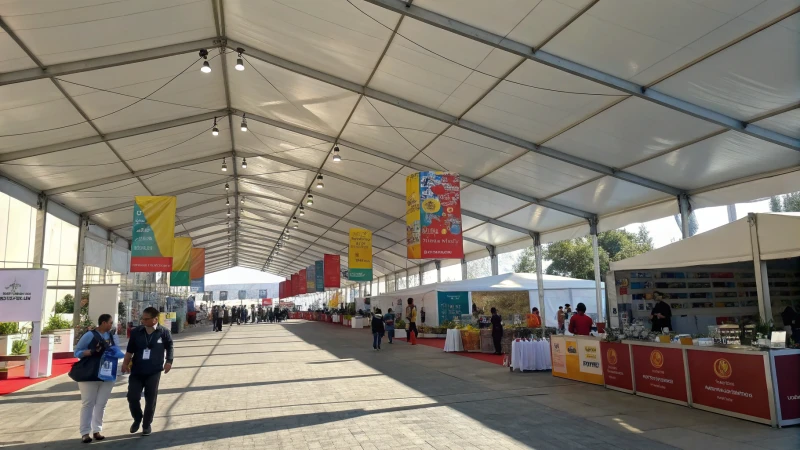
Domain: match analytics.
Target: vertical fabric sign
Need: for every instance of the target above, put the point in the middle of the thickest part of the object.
(319, 274)
(197, 270)
(433, 216)
(181, 255)
(311, 276)
(359, 258)
(295, 284)
(332, 274)
(302, 282)
(152, 234)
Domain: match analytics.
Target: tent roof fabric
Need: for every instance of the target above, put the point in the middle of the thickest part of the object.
(777, 238)
(555, 113)
(504, 282)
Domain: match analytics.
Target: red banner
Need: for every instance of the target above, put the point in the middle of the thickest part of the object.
(302, 288)
(787, 371)
(266, 302)
(659, 372)
(730, 381)
(331, 269)
(280, 289)
(617, 370)
(295, 284)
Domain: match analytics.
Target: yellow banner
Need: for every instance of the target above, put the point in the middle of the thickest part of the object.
(359, 259)
(414, 250)
(152, 234)
(182, 250)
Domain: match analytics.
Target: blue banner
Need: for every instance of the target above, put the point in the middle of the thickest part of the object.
(198, 285)
(319, 276)
(452, 305)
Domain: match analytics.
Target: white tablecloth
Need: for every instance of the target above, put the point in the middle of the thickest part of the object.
(530, 355)
(452, 342)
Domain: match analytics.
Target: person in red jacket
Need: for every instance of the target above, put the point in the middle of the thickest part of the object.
(580, 323)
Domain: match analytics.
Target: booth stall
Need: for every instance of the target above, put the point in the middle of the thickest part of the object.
(722, 287)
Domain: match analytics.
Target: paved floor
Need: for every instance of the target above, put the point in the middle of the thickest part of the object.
(314, 385)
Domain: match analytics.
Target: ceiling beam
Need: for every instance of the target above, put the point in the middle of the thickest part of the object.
(129, 203)
(503, 43)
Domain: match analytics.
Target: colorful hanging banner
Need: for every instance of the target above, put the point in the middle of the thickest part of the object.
(181, 257)
(433, 216)
(359, 259)
(153, 234)
(331, 264)
(282, 290)
(197, 270)
(319, 275)
(295, 284)
(302, 282)
(334, 302)
(311, 276)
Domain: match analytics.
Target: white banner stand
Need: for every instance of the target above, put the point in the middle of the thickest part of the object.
(22, 293)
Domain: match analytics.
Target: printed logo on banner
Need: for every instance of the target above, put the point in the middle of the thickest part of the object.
(611, 354)
(558, 355)
(589, 359)
(723, 368)
(656, 359)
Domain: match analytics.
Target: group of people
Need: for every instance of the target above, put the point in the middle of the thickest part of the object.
(384, 324)
(149, 353)
(241, 314)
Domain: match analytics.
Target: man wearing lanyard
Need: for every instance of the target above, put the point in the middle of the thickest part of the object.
(144, 360)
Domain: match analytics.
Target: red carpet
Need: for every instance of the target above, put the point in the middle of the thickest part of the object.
(439, 343)
(16, 379)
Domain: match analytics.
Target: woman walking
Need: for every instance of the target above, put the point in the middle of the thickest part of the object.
(377, 329)
(388, 321)
(94, 392)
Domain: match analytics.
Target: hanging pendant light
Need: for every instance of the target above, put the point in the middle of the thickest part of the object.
(302, 210)
(244, 122)
(244, 163)
(215, 130)
(227, 187)
(239, 62)
(227, 202)
(229, 212)
(310, 200)
(336, 157)
(242, 200)
(205, 68)
(320, 184)
(224, 166)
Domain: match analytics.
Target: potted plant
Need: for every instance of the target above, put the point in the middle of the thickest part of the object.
(9, 333)
(63, 334)
(400, 329)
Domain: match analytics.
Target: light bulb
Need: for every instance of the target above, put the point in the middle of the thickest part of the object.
(206, 67)
(336, 157)
(224, 165)
(320, 185)
(243, 200)
(302, 211)
(227, 188)
(244, 123)
(229, 213)
(310, 200)
(244, 161)
(227, 202)
(239, 64)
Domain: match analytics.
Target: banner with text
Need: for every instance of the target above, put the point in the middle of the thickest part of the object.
(359, 259)
(319, 274)
(302, 282)
(22, 294)
(311, 278)
(223, 295)
(433, 216)
(197, 269)
(152, 234)
(181, 257)
(452, 305)
(331, 265)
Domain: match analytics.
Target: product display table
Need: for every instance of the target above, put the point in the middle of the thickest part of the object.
(530, 355)
(452, 342)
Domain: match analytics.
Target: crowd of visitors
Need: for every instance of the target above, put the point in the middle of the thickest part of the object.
(241, 314)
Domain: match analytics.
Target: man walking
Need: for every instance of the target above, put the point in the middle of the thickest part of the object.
(411, 317)
(149, 347)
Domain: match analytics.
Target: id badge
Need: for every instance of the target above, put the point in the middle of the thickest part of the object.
(146, 353)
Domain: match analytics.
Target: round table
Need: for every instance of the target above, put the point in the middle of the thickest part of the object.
(530, 355)
(452, 342)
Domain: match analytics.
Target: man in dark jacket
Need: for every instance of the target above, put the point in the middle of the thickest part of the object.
(377, 329)
(661, 316)
(149, 353)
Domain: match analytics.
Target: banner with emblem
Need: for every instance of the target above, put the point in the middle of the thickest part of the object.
(433, 216)
(359, 259)
(181, 257)
(153, 234)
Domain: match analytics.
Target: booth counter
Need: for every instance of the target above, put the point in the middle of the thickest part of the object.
(577, 358)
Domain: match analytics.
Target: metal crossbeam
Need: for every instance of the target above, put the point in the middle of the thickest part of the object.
(585, 72)
(129, 204)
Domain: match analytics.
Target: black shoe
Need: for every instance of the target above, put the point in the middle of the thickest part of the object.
(146, 431)
(135, 426)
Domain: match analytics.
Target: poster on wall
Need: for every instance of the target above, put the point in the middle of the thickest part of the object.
(242, 294)
(263, 293)
(197, 270)
(266, 302)
(181, 257)
(617, 369)
(659, 372)
(22, 293)
(359, 254)
(452, 305)
(433, 216)
(223, 295)
(331, 265)
(152, 234)
(302, 282)
(311, 278)
(319, 274)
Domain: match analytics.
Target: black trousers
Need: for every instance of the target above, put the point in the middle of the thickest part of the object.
(150, 385)
(412, 328)
(497, 337)
(218, 325)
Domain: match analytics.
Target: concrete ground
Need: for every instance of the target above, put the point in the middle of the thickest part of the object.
(302, 385)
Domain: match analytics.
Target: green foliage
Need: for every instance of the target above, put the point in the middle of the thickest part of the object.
(400, 324)
(19, 347)
(526, 262)
(67, 305)
(122, 310)
(8, 328)
(575, 258)
(56, 322)
(785, 203)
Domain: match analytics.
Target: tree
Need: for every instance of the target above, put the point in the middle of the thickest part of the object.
(526, 261)
(479, 268)
(785, 203)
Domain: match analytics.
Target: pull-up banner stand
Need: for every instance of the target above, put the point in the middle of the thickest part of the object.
(22, 293)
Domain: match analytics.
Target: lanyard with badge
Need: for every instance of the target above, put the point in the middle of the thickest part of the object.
(146, 351)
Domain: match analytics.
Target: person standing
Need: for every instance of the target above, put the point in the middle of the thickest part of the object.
(94, 393)
(411, 317)
(243, 315)
(534, 319)
(215, 318)
(252, 313)
(497, 331)
(377, 329)
(661, 316)
(580, 324)
(226, 318)
(150, 351)
(561, 316)
(388, 322)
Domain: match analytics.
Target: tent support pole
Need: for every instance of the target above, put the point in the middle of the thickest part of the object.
(493, 259)
(463, 268)
(76, 311)
(537, 248)
(762, 277)
(597, 289)
(438, 270)
(41, 230)
(684, 209)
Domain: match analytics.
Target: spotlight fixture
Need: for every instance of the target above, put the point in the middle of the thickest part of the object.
(227, 202)
(309, 200)
(229, 212)
(215, 130)
(302, 210)
(224, 166)
(239, 62)
(320, 185)
(206, 67)
(227, 187)
(336, 157)
(244, 122)
(295, 223)
(244, 163)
